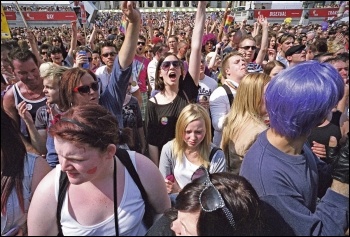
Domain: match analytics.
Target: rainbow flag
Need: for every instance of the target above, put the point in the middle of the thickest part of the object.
(123, 25)
(228, 22)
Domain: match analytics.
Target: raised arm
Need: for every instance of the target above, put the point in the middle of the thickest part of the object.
(73, 41)
(34, 46)
(93, 36)
(196, 44)
(264, 41)
(128, 49)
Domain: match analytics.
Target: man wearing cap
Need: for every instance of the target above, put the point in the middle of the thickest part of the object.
(295, 55)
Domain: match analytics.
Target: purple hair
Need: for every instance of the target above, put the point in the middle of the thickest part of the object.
(300, 97)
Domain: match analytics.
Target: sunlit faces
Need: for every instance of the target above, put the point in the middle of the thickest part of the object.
(27, 72)
(289, 42)
(247, 47)
(272, 43)
(194, 133)
(108, 55)
(275, 71)
(95, 59)
(81, 162)
(57, 58)
(237, 68)
(185, 224)
(84, 98)
(51, 91)
(299, 56)
(309, 55)
(170, 70)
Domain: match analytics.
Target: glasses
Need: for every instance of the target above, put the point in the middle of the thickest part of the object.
(210, 198)
(182, 33)
(112, 54)
(166, 65)
(248, 47)
(56, 40)
(44, 52)
(146, 51)
(141, 43)
(86, 89)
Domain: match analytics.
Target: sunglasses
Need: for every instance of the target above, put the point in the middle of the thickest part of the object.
(141, 43)
(43, 53)
(112, 54)
(166, 65)
(210, 198)
(86, 89)
(146, 51)
(248, 47)
(182, 33)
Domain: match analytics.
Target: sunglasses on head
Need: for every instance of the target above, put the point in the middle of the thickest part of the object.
(248, 47)
(210, 198)
(86, 88)
(166, 65)
(112, 54)
(141, 43)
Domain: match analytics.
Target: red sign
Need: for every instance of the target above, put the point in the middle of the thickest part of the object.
(324, 12)
(49, 16)
(10, 16)
(293, 13)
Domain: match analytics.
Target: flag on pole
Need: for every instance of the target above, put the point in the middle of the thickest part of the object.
(5, 29)
(228, 22)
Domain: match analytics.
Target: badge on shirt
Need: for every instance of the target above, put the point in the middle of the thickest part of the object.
(164, 120)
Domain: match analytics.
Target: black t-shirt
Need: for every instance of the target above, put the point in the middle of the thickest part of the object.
(161, 119)
(322, 134)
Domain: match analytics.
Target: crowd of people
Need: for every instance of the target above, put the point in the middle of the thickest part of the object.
(242, 130)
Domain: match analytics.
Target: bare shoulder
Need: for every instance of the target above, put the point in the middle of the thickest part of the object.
(143, 163)
(41, 169)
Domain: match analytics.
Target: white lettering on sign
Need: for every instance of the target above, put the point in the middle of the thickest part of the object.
(278, 14)
(332, 13)
(49, 16)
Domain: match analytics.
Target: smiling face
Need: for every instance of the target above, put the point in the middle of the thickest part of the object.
(27, 72)
(90, 97)
(57, 58)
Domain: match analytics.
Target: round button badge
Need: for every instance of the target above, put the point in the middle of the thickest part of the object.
(29, 106)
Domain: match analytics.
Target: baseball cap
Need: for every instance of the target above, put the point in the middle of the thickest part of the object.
(292, 50)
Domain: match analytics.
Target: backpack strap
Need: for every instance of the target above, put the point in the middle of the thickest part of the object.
(212, 152)
(63, 185)
(229, 93)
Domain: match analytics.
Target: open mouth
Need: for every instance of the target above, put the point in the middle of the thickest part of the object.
(172, 75)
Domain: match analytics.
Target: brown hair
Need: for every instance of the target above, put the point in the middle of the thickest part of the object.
(70, 79)
(159, 83)
(89, 124)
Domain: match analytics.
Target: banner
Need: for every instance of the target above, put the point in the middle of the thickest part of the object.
(5, 30)
(83, 13)
(292, 13)
(49, 16)
(323, 12)
(11, 16)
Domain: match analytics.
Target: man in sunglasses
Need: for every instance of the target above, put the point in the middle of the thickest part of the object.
(303, 195)
(247, 47)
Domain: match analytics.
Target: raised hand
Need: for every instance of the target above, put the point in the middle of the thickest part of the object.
(130, 11)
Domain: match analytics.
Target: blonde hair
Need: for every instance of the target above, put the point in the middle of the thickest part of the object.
(225, 62)
(245, 108)
(190, 113)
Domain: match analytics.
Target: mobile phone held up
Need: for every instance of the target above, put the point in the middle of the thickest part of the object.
(85, 65)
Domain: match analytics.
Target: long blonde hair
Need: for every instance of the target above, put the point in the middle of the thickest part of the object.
(245, 108)
(190, 113)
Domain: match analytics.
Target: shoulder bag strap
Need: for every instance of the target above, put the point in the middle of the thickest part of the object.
(212, 152)
(229, 93)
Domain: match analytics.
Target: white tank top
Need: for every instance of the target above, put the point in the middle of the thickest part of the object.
(130, 212)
